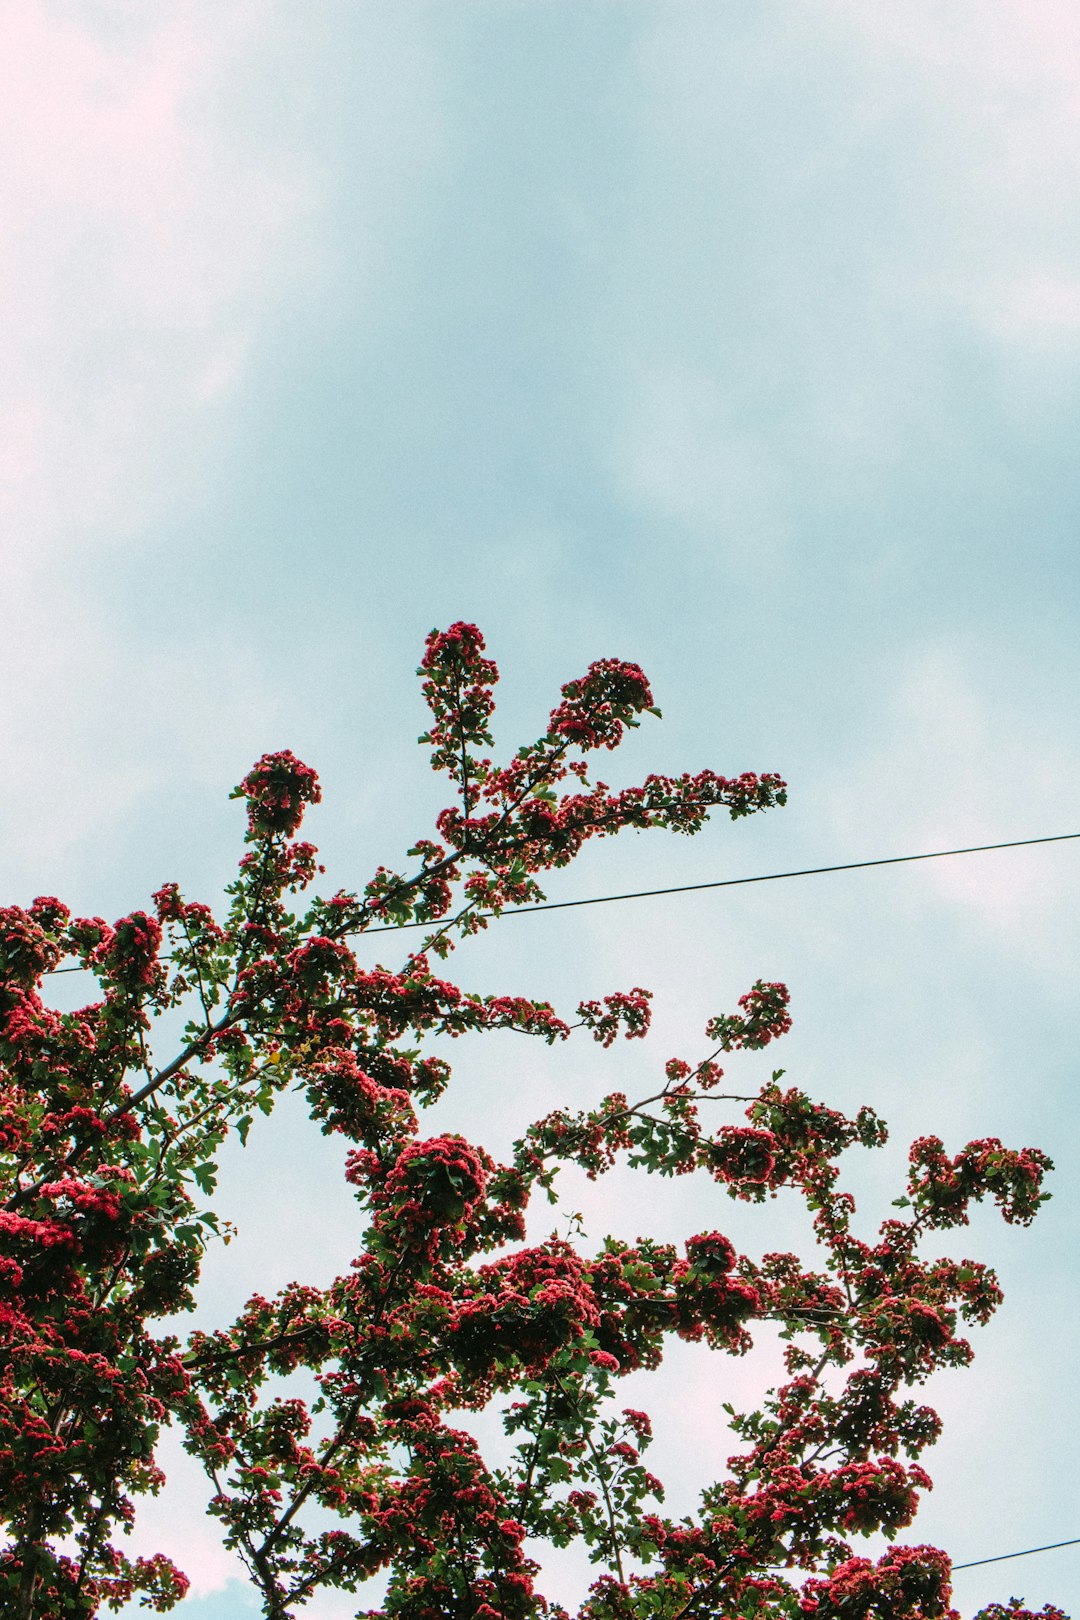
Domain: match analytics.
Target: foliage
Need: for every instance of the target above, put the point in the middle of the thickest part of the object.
(109, 1158)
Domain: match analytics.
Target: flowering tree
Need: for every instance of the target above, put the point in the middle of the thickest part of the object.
(108, 1158)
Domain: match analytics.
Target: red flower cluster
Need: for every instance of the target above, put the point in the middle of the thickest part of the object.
(596, 710)
(277, 791)
(763, 1019)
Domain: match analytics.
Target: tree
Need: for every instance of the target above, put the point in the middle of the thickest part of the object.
(109, 1155)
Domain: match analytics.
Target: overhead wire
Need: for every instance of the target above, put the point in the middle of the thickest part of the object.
(714, 883)
(731, 883)
(1000, 1558)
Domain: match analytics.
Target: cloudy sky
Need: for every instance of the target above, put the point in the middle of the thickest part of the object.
(741, 340)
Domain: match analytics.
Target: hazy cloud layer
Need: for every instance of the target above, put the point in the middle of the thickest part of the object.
(739, 341)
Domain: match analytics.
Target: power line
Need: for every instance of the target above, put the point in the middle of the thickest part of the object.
(730, 883)
(1000, 1558)
(716, 883)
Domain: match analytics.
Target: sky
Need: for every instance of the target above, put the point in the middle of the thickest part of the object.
(739, 340)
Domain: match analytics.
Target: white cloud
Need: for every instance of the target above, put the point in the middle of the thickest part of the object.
(142, 242)
(682, 453)
(954, 763)
(175, 183)
(1041, 309)
(830, 202)
(996, 92)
